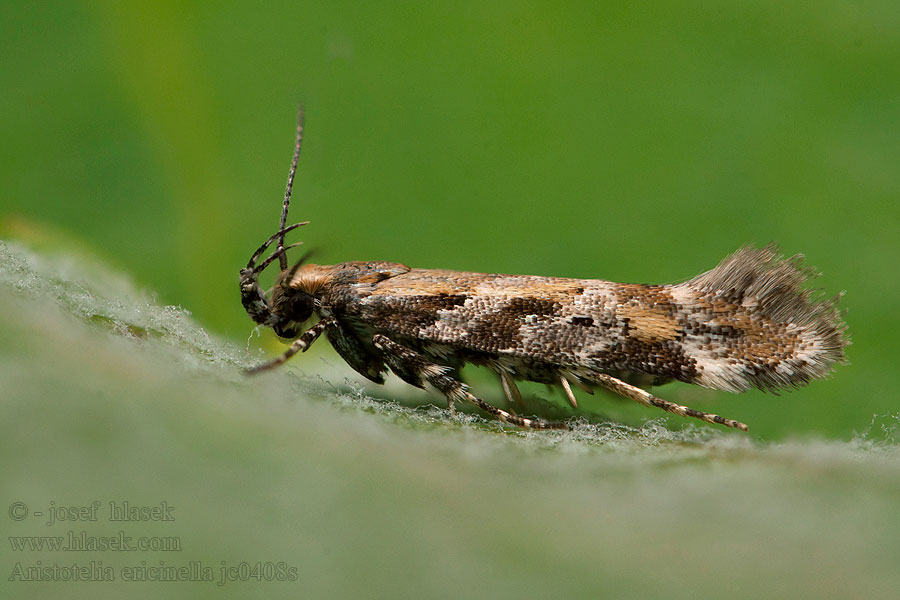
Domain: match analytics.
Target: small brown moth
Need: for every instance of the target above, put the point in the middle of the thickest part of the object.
(748, 323)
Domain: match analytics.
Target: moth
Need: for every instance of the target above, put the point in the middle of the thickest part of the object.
(748, 323)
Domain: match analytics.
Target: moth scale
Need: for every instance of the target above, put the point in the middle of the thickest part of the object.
(750, 322)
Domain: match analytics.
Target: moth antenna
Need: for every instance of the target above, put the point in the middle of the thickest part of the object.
(282, 259)
(277, 254)
(268, 242)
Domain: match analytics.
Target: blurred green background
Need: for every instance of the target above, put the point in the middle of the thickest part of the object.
(637, 143)
(579, 139)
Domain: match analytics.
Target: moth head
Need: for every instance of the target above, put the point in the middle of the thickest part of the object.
(284, 308)
(294, 295)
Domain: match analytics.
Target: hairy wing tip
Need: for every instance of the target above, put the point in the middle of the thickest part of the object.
(765, 285)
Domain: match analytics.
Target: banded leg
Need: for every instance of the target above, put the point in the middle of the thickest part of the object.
(301, 344)
(647, 399)
(411, 361)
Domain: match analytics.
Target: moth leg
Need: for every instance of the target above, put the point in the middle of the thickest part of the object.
(568, 389)
(451, 406)
(513, 395)
(576, 379)
(412, 362)
(301, 344)
(647, 399)
(361, 358)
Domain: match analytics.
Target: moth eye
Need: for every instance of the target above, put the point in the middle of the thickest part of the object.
(301, 307)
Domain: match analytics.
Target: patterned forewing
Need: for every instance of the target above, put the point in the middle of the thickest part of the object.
(526, 321)
(747, 323)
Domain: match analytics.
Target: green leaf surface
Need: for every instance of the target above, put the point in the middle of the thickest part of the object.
(110, 397)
